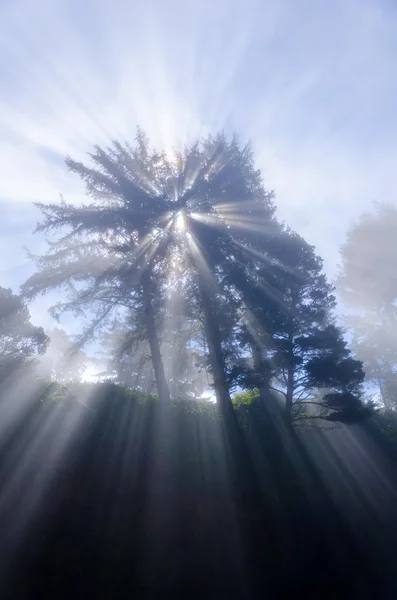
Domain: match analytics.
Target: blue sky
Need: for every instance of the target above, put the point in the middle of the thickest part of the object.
(312, 84)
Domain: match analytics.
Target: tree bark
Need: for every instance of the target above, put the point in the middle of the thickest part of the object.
(257, 360)
(157, 361)
(277, 439)
(213, 336)
(289, 397)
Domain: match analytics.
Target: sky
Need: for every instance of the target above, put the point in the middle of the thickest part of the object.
(313, 85)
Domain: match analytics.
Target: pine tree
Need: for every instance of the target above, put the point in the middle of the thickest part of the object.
(296, 346)
(20, 341)
(116, 251)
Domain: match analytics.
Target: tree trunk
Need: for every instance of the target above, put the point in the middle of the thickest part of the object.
(289, 397)
(157, 361)
(276, 442)
(266, 398)
(215, 355)
(257, 360)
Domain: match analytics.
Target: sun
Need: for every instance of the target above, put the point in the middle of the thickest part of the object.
(180, 221)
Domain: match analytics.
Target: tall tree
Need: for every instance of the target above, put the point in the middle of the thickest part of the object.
(296, 346)
(20, 341)
(116, 249)
(110, 253)
(235, 202)
(367, 283)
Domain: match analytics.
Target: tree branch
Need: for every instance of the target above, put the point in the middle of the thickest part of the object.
(315, 403)
(279, 391)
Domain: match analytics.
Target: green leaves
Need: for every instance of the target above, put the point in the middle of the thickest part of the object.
(335, 373)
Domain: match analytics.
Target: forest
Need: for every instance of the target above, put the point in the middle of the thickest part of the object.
(223, 419)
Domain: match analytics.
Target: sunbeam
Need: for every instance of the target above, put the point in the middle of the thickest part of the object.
(202, 420)
(180, 221)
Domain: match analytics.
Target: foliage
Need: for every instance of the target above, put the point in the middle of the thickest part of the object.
(290, 330)
(20, 341)
(245, 397)
(368, 278)
(127, 357)
(367, 284)
(115, 252)
(62, 360)
(183, 257)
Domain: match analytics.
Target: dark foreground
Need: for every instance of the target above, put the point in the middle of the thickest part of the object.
(140, 502)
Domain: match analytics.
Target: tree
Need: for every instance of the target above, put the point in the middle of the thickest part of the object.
(236, 201)
(295, 344)
(127, 357)
(367, 283)
(62, 361)
(110, 255)
(368, 277)
(20, 341)
(116, 250)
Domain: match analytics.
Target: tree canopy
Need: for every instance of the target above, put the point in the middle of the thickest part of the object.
(20, 341)
(188, 289)
(185, 254)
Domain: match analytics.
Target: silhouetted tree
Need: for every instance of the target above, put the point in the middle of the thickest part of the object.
(117, 249)
(296, 346)
(224, 199)
(110, 255)
(20, 341)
